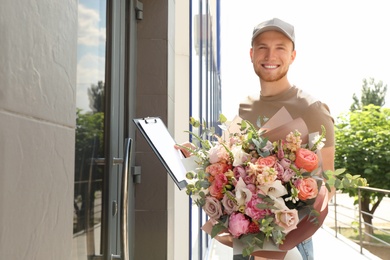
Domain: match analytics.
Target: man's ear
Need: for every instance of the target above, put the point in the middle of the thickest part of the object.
(293, 55)
(251, 54)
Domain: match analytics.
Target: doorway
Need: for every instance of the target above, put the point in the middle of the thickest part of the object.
(102, 222)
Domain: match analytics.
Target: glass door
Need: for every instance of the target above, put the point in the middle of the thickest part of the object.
(102, 221)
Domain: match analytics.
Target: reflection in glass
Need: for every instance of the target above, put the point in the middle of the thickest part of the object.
(205, 97)
(89, 147)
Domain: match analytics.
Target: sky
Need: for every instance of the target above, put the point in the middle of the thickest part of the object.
(338, 44)
(91, 48)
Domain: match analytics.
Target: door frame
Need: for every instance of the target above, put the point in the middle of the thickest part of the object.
(120, 104)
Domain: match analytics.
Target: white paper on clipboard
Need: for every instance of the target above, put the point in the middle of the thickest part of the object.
(162, 143)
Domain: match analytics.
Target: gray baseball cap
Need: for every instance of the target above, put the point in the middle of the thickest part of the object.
(274, 24)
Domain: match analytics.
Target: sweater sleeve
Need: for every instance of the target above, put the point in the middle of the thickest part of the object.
(317, 115)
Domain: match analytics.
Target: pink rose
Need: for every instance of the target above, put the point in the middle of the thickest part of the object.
(287, 219)
(306, 159)
(217, 168)
(238, 224)
(213, 208)
(266, 161)
(253, 211)
(216, 188)
(308, 188)
(229, 205)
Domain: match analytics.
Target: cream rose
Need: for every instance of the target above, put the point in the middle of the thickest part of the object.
(287, 219)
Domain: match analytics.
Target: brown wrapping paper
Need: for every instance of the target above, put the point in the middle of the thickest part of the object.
(276, 128)
(305, 229)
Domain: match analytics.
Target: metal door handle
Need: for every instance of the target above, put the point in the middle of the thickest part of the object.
(124, 212)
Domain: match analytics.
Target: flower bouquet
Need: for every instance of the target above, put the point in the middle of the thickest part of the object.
(255, 191)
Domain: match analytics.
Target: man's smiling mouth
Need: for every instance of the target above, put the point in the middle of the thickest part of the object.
(270, 66)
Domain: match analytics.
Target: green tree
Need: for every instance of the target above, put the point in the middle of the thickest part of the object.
(89, 145)
(372, 93)
(363, 148)
(96, 97)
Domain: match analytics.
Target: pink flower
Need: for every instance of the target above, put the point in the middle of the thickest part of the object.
(216, 188)
(239, 171)
(218, 153)
(266, 161)
(217, 168)
(251, 187)
(253, 211)
(213, 208)
(287, 175)
(306, 159)
(287, 219)
(228, 203)
(308, 188)
(279, 169)
(238, 224)
(285, 163)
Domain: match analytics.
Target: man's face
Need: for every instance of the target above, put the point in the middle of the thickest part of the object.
(271, 54)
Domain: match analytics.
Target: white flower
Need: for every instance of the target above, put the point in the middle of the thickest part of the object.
(274, 189)
(279, 203)
(318, 142)
(294, 195)
(239, 155)
(243, 194)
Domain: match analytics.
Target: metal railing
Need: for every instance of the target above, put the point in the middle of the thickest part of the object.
(361, 212)
(347, 216)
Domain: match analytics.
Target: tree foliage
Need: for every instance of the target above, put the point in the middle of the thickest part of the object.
(363, 148)
(89, 145)
(372, 93)
(96, 97)
(363, 144)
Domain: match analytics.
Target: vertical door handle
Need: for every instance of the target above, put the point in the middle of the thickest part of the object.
(124, 212)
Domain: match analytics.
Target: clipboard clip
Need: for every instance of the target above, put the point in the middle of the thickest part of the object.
(150, 120)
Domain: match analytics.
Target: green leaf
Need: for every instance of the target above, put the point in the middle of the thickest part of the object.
(195, 123)
(217, 228)
(222, 118)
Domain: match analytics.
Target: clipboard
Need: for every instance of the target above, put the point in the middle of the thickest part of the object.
(162, 144)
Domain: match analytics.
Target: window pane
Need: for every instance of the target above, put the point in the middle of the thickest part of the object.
(89, 146)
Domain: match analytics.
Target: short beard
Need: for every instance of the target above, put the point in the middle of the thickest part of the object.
(268, 78)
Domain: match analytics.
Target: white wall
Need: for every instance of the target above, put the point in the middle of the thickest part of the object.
(179, 200)
(37, 114)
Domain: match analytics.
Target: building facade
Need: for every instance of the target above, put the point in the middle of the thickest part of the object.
(74, 75)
